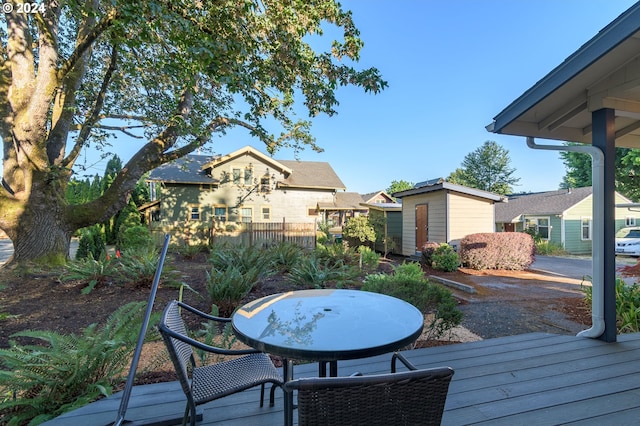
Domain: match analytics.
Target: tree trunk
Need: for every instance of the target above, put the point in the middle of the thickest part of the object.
(41, 233)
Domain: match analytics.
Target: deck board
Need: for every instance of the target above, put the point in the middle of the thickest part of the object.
(538, 378)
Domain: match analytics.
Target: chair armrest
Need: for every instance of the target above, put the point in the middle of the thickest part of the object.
(205, 347)
(405, 361)
(202, 314)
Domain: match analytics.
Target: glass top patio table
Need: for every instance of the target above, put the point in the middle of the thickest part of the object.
(327, 325)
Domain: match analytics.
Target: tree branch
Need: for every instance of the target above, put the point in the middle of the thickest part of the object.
(85, 41)
(94, 115)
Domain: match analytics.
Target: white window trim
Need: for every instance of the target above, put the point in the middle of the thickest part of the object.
(630, 221)
(534, 221)
(190, 212)
(582, 219)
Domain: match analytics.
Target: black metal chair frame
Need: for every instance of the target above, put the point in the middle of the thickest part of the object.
(202, 384)
(412, 397)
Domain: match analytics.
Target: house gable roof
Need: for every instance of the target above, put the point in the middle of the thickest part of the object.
(540, 203)
(371, 195)
(311, 174)
(249, 151)
(439, 184)
(195, 169)
(344, 201)
(187, 169)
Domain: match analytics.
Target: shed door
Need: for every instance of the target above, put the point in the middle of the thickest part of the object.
(422, 226)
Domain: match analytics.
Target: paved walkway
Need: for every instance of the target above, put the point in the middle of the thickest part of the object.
(6, 249)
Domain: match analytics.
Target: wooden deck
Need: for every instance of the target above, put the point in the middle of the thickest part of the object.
(531, 379)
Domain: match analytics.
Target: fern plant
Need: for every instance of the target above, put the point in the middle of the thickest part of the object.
(40, 382)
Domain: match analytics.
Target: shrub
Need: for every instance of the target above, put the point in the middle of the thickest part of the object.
(359, 230)
(285, 256)
(245, 258)
(369, 259)
(229, 285)
(427, 251)
(501, 250)
(444, 258)
(132, 238)
(67, 371)
(407, 282)
(627, 306)
(547, 248)
(98, 271)
(91, 243)
(317, 272)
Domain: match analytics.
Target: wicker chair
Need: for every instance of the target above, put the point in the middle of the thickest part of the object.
(414, 397)
(202, 384)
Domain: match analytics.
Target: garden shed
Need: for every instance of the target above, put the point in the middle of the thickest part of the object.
(387, 216)
(444, 212)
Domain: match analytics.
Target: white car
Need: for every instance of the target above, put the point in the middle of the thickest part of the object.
(628, 241)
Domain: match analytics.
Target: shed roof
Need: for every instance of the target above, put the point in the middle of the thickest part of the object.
(439, 185)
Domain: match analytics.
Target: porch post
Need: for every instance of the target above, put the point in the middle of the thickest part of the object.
(604, 138)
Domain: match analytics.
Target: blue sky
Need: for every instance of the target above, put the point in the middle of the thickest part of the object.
(451, 65)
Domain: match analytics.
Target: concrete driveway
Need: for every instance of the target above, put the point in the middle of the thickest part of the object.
(573, 267)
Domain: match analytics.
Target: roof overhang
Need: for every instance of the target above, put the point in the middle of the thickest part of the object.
(448, 186)
(603, 73)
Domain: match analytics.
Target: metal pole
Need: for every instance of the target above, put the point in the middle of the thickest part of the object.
(126, 394)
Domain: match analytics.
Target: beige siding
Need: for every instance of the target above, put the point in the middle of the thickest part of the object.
(437, 219)
(468, 215)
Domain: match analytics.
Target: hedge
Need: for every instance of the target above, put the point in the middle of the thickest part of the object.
(500, 250)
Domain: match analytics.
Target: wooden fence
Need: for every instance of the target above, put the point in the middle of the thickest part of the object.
(254, 234)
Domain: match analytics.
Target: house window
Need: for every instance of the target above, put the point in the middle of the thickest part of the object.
(585, 225)
(265, 184)
(220, 214)
(246, 214)
(248, 176)
(236, 176)
(194, 212)
(540, 225)
(630, 221)
(266, 213)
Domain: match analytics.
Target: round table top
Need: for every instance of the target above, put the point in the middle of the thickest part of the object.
(327, 325)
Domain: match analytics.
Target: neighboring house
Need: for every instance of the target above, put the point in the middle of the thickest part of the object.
(389, 215)
(343, 207)
(563, 217)
(201, 194)
(379, 197)
(444, 212)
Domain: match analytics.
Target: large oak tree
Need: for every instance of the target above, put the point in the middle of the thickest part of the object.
(76, 74)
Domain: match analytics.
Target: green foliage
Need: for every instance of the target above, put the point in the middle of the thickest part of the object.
(244, 258)
(94, 272)
(627, 305)
(444, 258)
(337, 253)
(137, 267)
(137, 237)
(318, 272)
(487, 168)
(407, 282)
(398, 185)
(91, 243)
(285, 256)
(66, 372)
(548, 248)
(359, 229)
(627, 169)
(228, 285)
(427, 252)
(369, 259)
